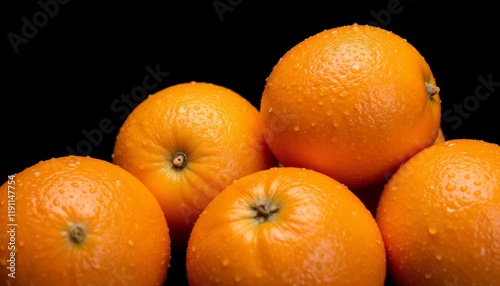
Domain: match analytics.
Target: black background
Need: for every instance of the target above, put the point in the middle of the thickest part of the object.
(66, 77)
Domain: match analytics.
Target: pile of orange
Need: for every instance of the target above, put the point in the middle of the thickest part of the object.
(343, 176)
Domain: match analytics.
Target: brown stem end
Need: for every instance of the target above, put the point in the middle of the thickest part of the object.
(77, 233)
(179, 160)
(431, 90)
(264, 211)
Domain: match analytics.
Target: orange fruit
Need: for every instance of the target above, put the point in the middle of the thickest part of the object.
(285, 226)
(352, 102)
(186, 143)
(370, 194)
(440, 137)
(439, 216)
(81, 221)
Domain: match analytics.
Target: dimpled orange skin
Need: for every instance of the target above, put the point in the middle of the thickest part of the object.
(319, 234)
(218, 130)
(350, 102)
(126, 241)
(370, 194)
(440, 216)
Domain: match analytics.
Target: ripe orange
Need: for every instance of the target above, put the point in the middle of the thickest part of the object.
(81, 221)
(370, 194)
(286, 226)
(440, 216)
(353, 102)
(186, 143)
(440, 137)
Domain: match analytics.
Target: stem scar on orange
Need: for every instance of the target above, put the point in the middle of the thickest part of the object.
(353, 102)
(286, 226)
(186, 143)
(81, 221)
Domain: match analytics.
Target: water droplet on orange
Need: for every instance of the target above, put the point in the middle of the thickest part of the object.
(355, 68)
(450, 187)
(432, 229)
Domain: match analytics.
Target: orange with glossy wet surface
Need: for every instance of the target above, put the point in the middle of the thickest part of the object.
(353, 102)
(286, 226)
(186, 143)
(81, 221)
(439, 216)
